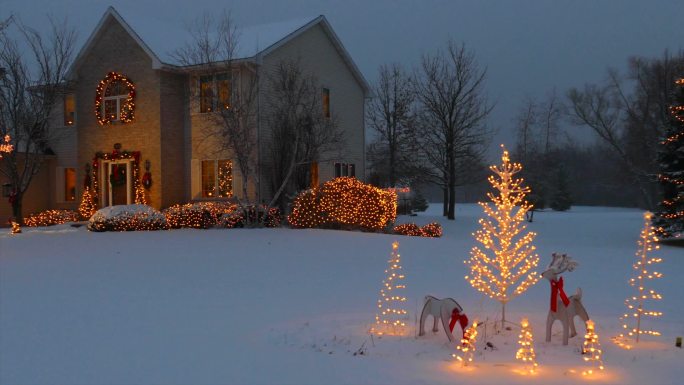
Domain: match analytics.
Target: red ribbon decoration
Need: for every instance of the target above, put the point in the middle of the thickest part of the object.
(462, 319)
(556, 289)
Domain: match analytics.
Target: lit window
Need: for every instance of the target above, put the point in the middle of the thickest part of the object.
(345, 169)
(217, 178)
(114, 99)
(314, 174)
(326, 102)
(69, 184)
(206, 94)
(69, 109)
(223, 88)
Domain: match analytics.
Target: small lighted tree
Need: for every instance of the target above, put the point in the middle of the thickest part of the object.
(526, 352)
(592, 349)
(503, 268)
(467, 346)
(633, 318)
(391, 316)
(16, 228)
(6, 146)
(87, 207)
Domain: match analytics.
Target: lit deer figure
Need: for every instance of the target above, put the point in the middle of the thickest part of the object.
(563, 308)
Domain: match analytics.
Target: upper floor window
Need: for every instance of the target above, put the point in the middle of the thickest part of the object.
(114, 99)
(69, 109)
(325, 100)
(215, 92)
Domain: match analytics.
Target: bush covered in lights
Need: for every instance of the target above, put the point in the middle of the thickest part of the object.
(345, 202)
(200, 215)
(431, 230)
(251, 216)
(127, 218)
(51, 217)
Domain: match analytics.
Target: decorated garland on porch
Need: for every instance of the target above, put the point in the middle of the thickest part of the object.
(135, 167)
(128, 106)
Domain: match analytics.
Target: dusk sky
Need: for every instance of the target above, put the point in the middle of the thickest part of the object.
(528, 46)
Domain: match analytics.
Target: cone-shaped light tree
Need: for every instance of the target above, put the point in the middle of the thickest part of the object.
(87, 207)
(526, 352)
(467, 346)
(503, 267)
(391, 317)
(591, 349)
(636, 311)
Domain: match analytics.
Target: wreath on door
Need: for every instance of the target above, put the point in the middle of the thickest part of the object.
(118, 175)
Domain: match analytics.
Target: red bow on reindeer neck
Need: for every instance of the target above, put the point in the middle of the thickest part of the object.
(556, 289)
(462, 319)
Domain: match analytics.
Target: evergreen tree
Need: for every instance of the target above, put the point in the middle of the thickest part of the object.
(669, 220)
(561, 201)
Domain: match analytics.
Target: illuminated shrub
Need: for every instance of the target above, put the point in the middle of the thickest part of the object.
(51, 217)
(251, 216)
(431, 230)
(306, 210)
(127, 218)
(200, 215)
(347, 202)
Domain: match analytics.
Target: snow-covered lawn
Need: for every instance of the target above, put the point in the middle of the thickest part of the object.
(245, 306)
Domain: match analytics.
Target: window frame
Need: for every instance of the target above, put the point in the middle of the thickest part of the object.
(69, 116)
(118, 98)
(214, 81)
(216, 163)
(342, 169)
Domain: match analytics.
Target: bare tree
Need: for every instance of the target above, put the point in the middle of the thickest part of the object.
(629, 113)
(30, 89)
(449, 86)
(231, 98)
(391, 114)
(300, 133)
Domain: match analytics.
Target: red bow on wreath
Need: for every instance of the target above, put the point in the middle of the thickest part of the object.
(147, 180)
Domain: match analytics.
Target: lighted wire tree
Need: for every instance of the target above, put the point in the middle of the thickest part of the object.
(87, 207)
(592, 349)
(391, 317)
(467, 346)
(526, 352)
(6, 146)
(503, 268)
(632, 319)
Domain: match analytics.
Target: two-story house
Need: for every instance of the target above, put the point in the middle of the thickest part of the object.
(128, 121)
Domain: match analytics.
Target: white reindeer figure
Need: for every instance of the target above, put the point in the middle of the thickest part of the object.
(448, 311)
(563, 308)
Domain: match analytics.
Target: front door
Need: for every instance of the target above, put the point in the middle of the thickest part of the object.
(117, 183)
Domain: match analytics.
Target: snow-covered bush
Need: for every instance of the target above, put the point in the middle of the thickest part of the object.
(251, 216)
(199, 215)
(51, 217)
(127, 218)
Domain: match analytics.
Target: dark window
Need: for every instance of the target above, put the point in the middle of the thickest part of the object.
(325, 98)
(224, 91)
(352, 170)
(338, 170)
(69, 184)
(345, 169)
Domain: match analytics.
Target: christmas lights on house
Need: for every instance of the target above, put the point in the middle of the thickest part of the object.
(87, 207)
(636, 313)
(526, 352)
(6, 146)
(503, 268)
(591, 349)
(467, 346)
(391, 316)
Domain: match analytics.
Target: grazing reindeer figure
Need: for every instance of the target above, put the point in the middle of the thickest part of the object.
(563, 308)
(447, 310)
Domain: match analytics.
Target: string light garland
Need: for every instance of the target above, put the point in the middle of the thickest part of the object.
(591, 349)
(87, 207)
(200, 215)
(144, 219)
(391, 317)
(467, 346)
(632, 319)
(225, 179)
(344, 201)
(134, 157)
(6, 147)
(127, 107)
(50, 218)
(431, 230)
(526, 352)
(504, 262)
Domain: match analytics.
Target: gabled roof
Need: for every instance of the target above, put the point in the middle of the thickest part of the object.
(159, 39)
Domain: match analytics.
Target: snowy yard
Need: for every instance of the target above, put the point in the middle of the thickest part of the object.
(293, 306)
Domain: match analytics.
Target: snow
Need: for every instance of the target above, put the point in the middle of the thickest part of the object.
(256, 306)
